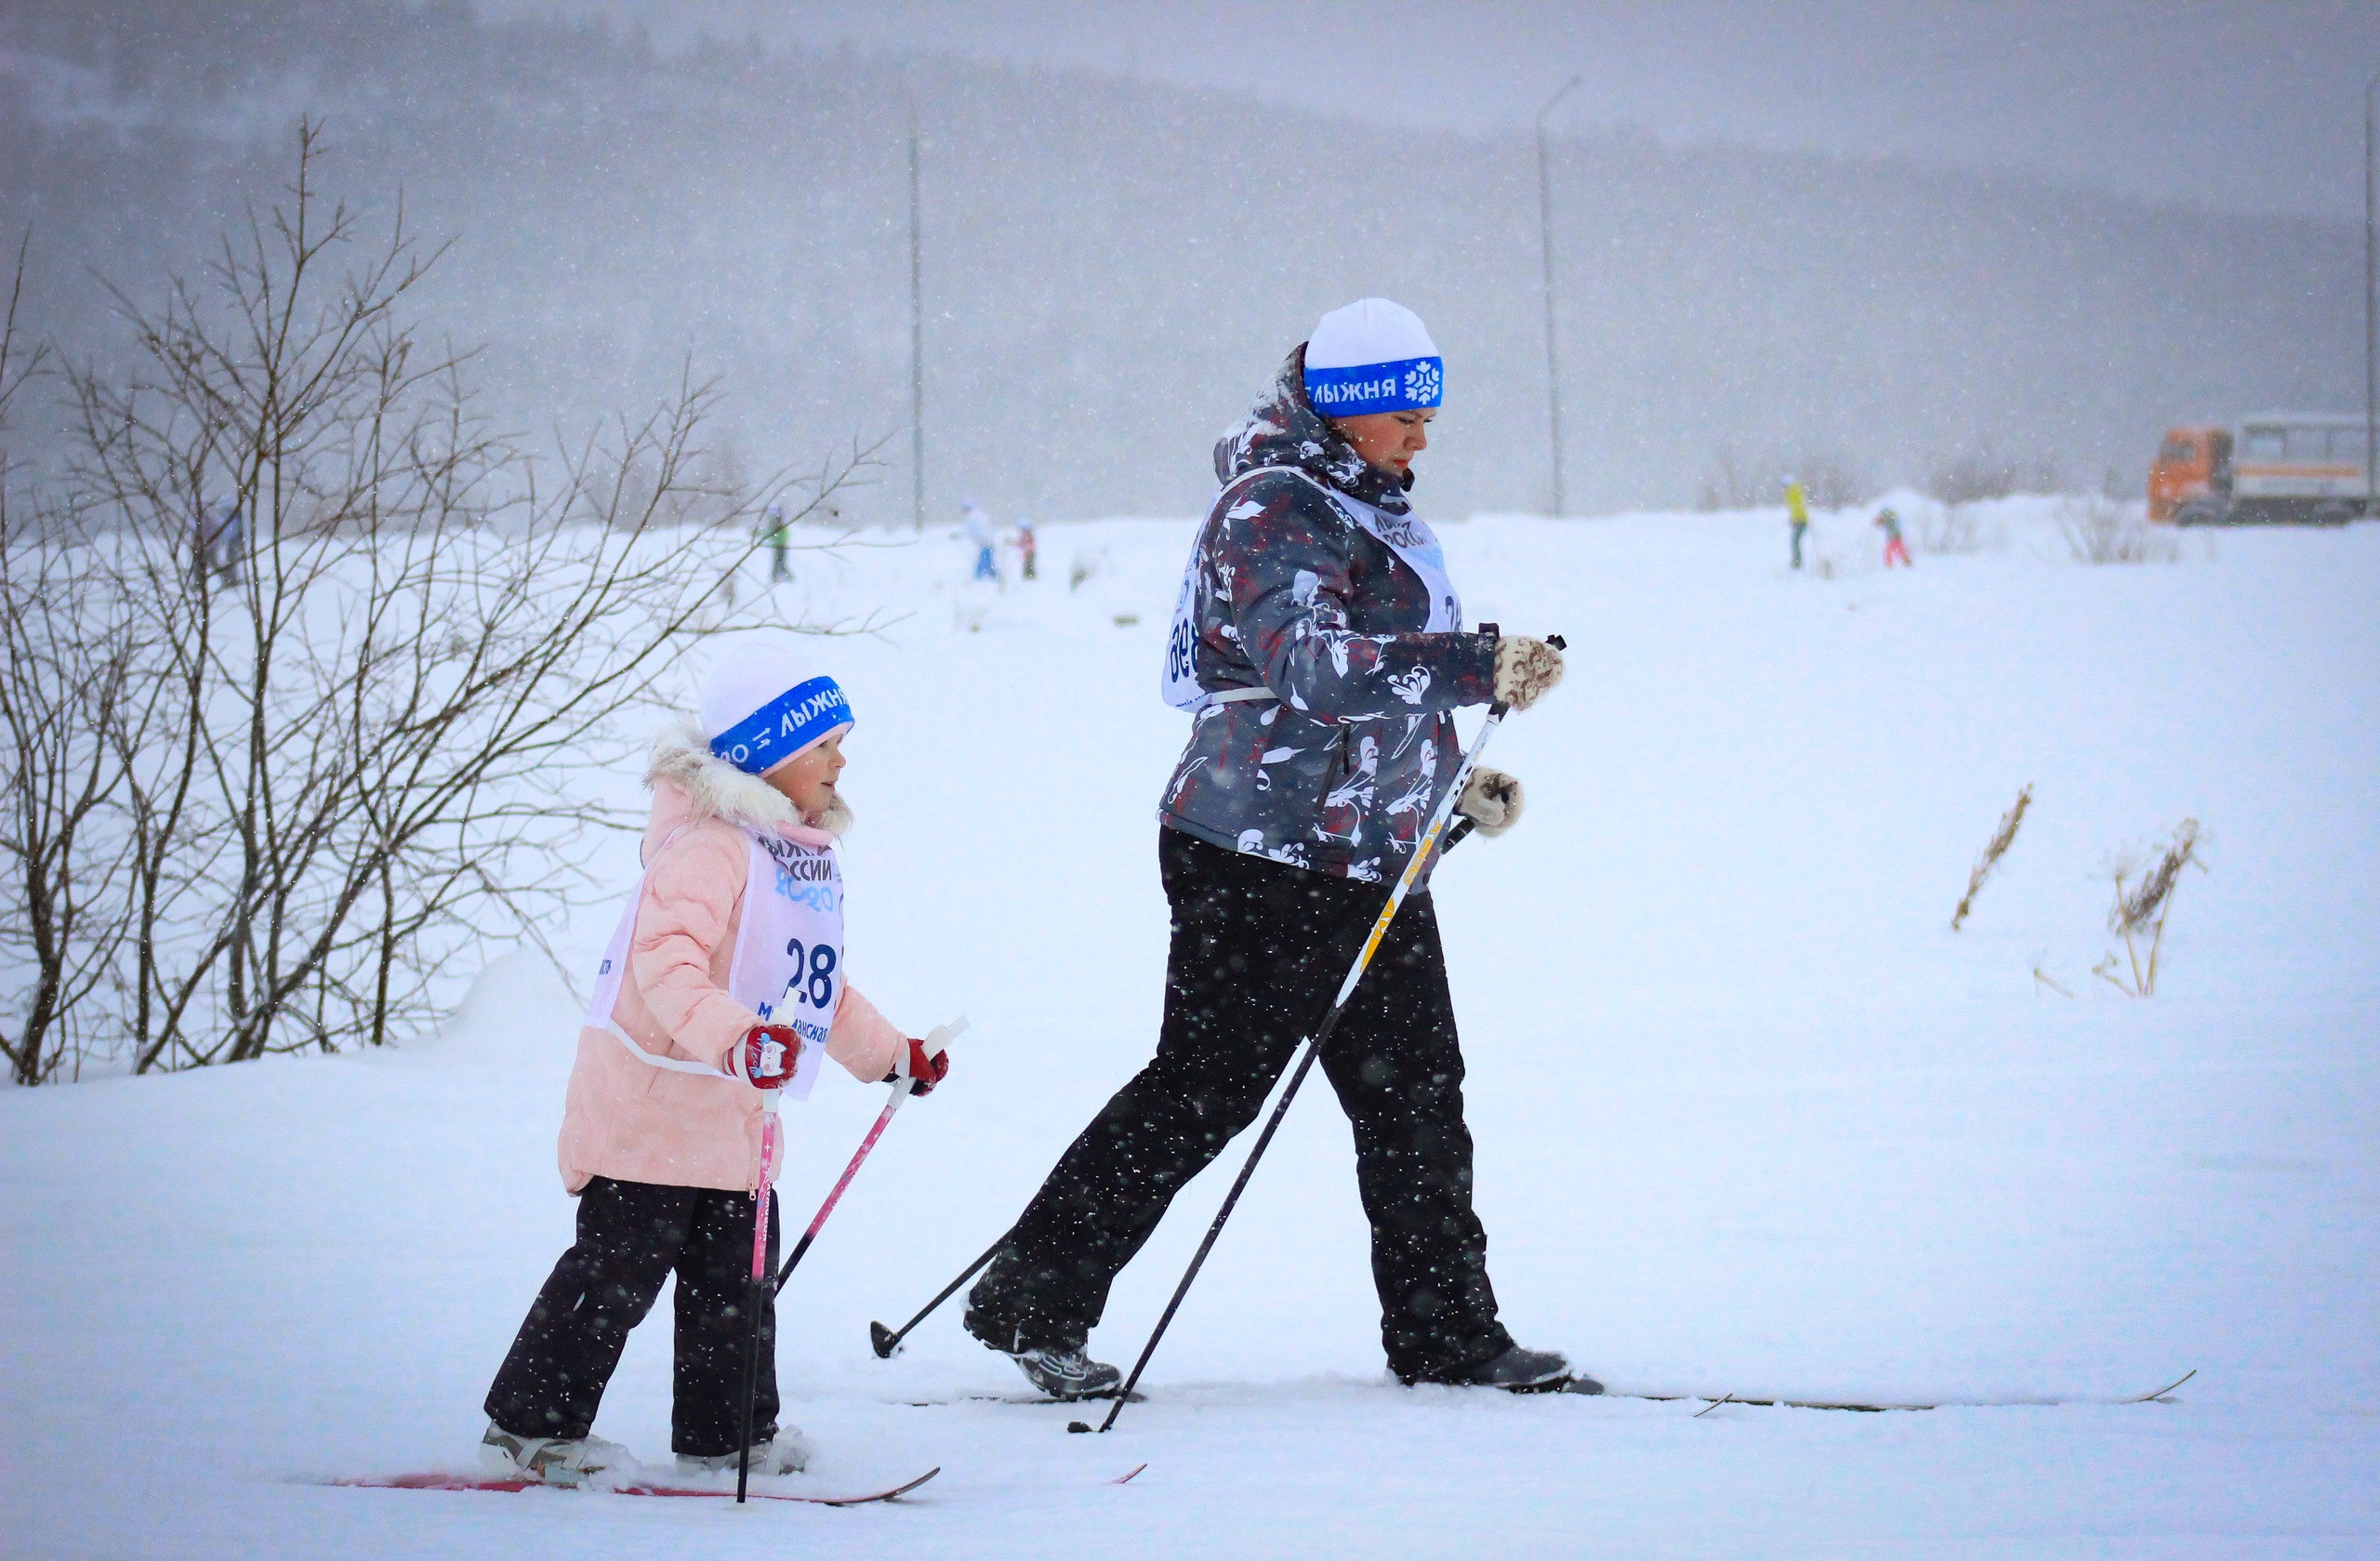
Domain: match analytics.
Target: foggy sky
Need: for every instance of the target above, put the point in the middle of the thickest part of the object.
(1113, 264)
(2238, 105)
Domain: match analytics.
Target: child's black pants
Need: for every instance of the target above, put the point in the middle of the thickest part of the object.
(632, 1235)
(1259, 950)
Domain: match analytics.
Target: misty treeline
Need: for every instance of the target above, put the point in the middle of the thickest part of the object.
(1112, 267)
(304, 664)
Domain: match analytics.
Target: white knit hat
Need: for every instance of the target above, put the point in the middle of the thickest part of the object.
(1372, 356)
(765, 702)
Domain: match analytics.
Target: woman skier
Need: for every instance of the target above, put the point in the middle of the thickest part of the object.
(1320, 646)
(725, 977)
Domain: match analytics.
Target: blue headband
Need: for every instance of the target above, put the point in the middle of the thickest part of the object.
(1403, 386)
(782, 727)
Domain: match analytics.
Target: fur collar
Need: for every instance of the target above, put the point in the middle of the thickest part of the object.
(714, 789)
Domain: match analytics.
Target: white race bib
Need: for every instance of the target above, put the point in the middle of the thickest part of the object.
(787, 966)
(1405, 535)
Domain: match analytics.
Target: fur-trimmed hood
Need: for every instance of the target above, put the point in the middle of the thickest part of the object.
(714, 789)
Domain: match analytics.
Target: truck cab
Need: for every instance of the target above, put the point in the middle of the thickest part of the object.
(2193, 468)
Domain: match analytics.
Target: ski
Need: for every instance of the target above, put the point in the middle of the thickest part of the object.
(2156, 1395)
(435, 1481)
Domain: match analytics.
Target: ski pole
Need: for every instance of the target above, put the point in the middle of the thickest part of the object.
(887, 1341)
(1314, 1047)
(941, 1036)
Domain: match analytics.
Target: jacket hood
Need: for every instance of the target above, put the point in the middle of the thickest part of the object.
(1283, 428)
(692, 785)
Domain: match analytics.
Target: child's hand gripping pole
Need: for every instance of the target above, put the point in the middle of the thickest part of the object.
(905, 1082)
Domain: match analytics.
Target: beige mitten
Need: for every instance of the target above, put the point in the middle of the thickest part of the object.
(1492, 801)
(1525, 669)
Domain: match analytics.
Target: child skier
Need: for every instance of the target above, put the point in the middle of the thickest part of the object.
(1894, 547)
(725, 977)
(1797, 515)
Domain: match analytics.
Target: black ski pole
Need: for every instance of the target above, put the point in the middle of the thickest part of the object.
(887, 1342)
(1313, 1049)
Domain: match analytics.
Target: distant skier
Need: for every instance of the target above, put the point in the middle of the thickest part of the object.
(1797, 513)
(1320, 646)
(222, 541)
(1894, 547)
(1027, 549)
(977, 526)
(742, 899)
(778, 533)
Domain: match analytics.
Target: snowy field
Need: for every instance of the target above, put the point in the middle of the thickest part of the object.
(1751, 1118)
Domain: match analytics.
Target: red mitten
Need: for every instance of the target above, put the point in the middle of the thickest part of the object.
(766, 1055)
(922, 1068)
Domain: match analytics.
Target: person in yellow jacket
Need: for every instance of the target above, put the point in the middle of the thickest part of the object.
(1797, 510)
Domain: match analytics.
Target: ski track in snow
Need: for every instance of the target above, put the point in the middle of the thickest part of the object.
(1750, 1117)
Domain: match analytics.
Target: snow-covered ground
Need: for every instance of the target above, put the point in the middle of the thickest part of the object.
(1751, 1118)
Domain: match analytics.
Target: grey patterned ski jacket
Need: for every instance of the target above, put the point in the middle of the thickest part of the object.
(1340, 771)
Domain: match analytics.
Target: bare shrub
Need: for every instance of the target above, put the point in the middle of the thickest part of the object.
(1985, 473)
(1993, 850)
(1831, 481)
(315, 770)
(2102, 530)
(2143, 900)
(1947, 530)
(1729, 485)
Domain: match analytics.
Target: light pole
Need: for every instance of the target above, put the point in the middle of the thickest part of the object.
(1545, 232)
(917, 344)
(2371, 339)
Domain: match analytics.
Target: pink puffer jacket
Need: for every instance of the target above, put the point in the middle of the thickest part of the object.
(634, 1122)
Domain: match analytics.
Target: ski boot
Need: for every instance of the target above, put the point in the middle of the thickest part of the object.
(782, 1451)
(552, 1460)
(1066, 1374)
(1526, 1370)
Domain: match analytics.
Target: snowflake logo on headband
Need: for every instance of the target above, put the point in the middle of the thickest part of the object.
(1421, 383)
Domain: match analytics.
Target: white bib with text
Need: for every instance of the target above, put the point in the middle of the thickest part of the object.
(788, 957)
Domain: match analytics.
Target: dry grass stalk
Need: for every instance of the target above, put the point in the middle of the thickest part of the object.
(2141, 908)
(2101, 531)
(2001, 838)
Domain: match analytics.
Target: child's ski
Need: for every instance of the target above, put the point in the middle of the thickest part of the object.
(465, 1481)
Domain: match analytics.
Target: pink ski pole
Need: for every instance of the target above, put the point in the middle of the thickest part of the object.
(769, 1126)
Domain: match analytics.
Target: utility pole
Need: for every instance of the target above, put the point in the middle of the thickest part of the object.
(1546, 232)
(2370, 336)
(916, 343)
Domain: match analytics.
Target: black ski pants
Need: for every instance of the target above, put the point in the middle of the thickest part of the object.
(1259, 950)
(632, 1235)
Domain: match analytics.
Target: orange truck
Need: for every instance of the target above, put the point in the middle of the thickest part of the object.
(2288, 466)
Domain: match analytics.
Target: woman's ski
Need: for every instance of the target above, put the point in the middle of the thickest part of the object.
(2154, 1396)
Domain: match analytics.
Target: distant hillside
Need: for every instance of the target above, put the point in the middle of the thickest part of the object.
(1112, 267)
